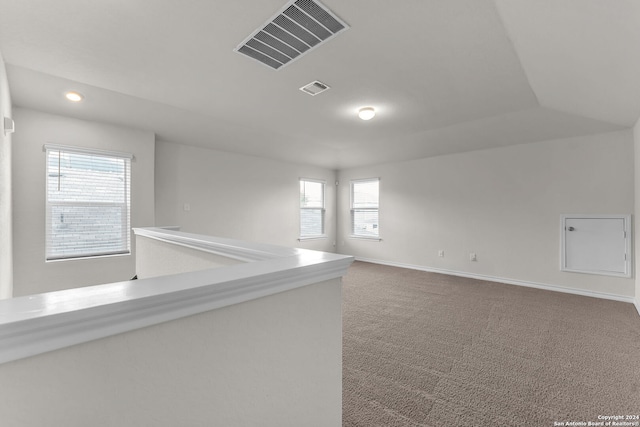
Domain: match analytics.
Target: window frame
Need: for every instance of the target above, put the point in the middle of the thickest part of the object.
(323, 235)
(353, 210)
(124, 205)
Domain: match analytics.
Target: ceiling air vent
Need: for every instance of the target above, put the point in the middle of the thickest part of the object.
(314, 88)
(301, 26)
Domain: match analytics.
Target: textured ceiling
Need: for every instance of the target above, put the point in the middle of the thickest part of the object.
(445, 75)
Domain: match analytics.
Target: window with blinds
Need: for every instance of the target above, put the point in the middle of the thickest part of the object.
(364, 208)
(88, 200)
(311, 208)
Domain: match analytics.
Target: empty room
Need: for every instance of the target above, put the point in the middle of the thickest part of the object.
(319, 213)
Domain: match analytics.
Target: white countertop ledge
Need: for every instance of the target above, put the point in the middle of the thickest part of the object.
(35, 324)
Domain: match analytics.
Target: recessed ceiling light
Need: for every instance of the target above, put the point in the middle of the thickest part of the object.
(74, 96)
(366, 113)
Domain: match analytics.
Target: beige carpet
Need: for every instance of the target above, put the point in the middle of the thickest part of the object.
(425, 349)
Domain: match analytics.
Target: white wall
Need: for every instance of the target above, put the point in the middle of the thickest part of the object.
(6, 252)
(274, 362)
(159, 258)
(503, 204)
(636, 225)
(237, 196)
(34, 129)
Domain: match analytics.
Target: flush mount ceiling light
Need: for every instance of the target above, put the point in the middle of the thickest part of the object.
(366, 113)
(74, 96)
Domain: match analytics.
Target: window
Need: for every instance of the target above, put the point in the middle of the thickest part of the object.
(311, 208)
(364, 208)
(87, 203)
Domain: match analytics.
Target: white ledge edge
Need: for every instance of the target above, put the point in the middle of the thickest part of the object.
(243, 251)
(36, 324)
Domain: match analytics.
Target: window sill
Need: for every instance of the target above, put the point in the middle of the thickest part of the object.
(88, 257)
(301, 238)
(374, 238)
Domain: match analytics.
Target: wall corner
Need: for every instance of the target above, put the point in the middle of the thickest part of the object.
(6, 208)
(636, 222)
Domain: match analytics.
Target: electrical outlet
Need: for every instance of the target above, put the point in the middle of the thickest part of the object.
(187, 207)
(441, 253)
(472, 256)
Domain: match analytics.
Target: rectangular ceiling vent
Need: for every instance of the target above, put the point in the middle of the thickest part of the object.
(314, 88)
(301, 26)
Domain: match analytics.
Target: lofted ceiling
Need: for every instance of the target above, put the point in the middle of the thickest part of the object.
(445, 76)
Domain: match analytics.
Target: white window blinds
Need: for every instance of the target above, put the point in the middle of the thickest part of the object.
(311, 208)
(364, 208)
(88, 199)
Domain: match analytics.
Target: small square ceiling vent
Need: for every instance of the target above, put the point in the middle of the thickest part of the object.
(301, 26)
(314, 88)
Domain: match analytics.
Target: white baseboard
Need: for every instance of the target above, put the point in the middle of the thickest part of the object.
(637, 304)
(516, 282)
